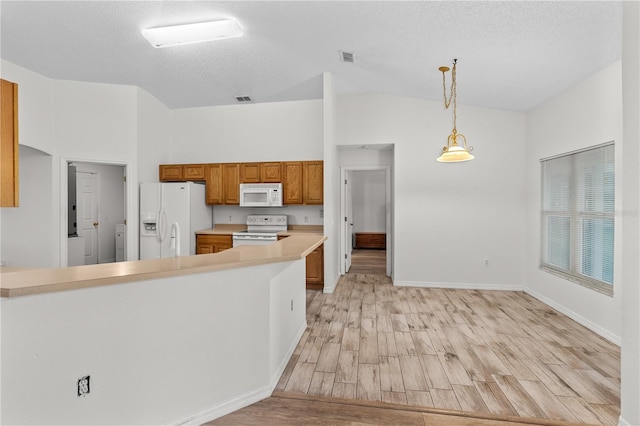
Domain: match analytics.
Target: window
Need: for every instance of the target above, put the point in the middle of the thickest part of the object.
(578, 204)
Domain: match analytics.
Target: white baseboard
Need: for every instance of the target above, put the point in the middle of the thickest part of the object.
(275, 378)
(459, 286)
(617, 340)
(226, 407)
(623, 422)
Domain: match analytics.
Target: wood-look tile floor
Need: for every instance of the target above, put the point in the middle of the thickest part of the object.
(490, 352)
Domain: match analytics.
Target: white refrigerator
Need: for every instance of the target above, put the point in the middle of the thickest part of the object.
(170, 214)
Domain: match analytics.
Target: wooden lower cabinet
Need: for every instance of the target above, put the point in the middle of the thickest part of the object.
(213, 243)
(371, 240)
(315, 267)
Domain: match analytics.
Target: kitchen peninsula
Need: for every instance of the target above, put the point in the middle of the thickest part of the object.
(164, 341)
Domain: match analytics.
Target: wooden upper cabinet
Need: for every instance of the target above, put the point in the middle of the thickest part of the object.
(193, 171)
(292, 182)
(213, 179)
(302, 181)
(313, 182)
(181, 172)
(271, 172)
(250, 172)
(171, 173)
(9, 149)
(231, 183)
(260, 172)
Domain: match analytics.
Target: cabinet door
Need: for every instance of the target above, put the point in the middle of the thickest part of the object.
(271, 172)
(9, 144)
(213, 243)
(250, 172)
(231, 183)
(292, 183)
(204, 248)
(315, 268)
(193, 171)
(313, 183)
(171, 172)
(213, 180)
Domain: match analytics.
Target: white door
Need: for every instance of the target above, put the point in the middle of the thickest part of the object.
(348, 222)
(88, 194)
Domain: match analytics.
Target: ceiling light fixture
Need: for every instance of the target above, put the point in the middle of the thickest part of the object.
(178, 35)
(453, 153)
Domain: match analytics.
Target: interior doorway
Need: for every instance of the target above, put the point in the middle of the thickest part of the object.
(366, 211)
(96, 213)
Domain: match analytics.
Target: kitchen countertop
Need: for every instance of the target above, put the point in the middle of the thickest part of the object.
(228, 229)
(26, 282)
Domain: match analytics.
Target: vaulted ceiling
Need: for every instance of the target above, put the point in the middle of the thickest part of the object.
(511, 54)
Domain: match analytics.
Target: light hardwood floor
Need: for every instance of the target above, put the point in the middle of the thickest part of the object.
(375, 354)
(491, 352)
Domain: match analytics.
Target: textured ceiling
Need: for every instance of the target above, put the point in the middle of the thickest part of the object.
(511, 55)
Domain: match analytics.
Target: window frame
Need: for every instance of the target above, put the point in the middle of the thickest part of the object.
(576, 221)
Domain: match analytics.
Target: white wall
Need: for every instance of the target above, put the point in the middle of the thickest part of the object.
(94, 123)
(158, 352)
(154, 136)
(35, 106)
(587, 114)
(447, 215)
(630, 351)
(278, 131)
(369, 198)
(27, 230)
(69, 120)
(296, 215)
(331, 185)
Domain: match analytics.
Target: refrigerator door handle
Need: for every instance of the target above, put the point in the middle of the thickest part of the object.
(163, 225)
(175, 238)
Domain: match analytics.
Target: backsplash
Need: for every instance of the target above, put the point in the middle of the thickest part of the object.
(296, 215)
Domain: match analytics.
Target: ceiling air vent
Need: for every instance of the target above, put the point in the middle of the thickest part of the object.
(243, 99)
(346, 56)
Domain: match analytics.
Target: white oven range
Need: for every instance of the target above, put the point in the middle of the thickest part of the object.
(262, 229)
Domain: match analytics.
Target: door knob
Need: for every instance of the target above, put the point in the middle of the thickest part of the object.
(95, 223)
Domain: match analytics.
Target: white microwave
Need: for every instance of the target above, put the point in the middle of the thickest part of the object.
(261, 194)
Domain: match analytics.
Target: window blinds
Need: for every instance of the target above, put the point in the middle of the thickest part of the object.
(578, 209)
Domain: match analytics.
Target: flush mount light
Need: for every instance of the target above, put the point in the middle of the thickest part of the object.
(453, 152)
(178, 35)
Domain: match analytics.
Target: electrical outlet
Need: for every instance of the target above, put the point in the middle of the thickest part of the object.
(83, 386)
(230, 218)
(291, 305)
(306, 219)
(486, 262)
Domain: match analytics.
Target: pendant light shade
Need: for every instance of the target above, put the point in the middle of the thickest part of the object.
(453, 152)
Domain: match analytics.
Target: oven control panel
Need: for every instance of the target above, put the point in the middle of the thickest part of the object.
(267, 219)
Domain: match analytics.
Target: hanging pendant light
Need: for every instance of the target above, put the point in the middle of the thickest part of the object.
(454, 152)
